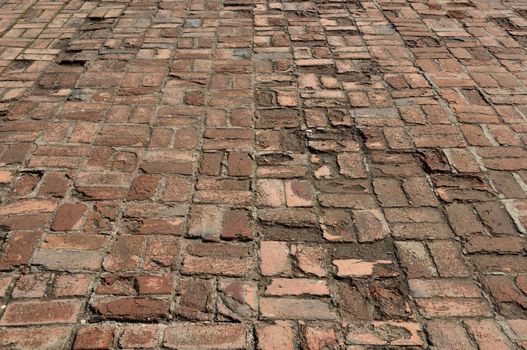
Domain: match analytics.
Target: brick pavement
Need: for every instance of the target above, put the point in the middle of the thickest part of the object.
(251, 174)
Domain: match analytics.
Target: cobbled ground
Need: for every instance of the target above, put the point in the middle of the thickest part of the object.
(261, 174)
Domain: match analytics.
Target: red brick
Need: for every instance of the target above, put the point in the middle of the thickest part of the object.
(29, 206)
(125, 254)
(143, 187)
(238, 300)
(54, 184)
(30, 338)
(371, 225)
(25, 184)
(208, 336)
(488, 335)
(205, 221)
(409, 334)
(427, 288)
(496, 217)
(448, 259)
(463, 219)
(225, 266)
(274, 258)
(6, 176)
(152, 284)
(31, 286)
(72, 285)
(350, 165)
(320, 338)
(161, 252)
(68, 217)
(240, 164)
(5, 282)
(16, 153)
(503, 289)
(276, 336)
(236, 225)
(415, 259)
(75, 241)
(389, 192)
(95, 337)
(506, 244)
(296, 286)
(177, 189)
(454, 307)
(313, 133)
(298, 194)
(64, 260)
(139, 337)
(41, 312)
(270, 192)
(310, 259)
(195, 302)
(131, 308)
(449, 335)
(19, 248)
(295, 309)
(210, 163)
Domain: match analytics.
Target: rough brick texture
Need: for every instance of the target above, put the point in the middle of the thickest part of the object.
(242, 174)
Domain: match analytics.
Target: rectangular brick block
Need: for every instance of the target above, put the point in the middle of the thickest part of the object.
(202, 337)
(41, 312)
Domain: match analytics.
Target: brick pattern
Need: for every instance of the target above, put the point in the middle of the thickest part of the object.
(250, 174)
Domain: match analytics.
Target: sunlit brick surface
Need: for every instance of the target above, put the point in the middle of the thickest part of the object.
(253, 174)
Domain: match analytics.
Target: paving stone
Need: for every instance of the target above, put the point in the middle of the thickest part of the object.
(234, 174)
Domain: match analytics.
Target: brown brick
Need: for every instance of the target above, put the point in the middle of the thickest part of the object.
(19, 248)
(41, 312)
(449, 335)
(276, 336)
(68, 217)
(296, 309)
(139, 337)
(208, 336)
(240, 164)
(131, 308)
(95, 337)
(29, 338)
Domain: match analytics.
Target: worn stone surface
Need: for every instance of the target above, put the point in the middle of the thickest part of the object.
(263, 174)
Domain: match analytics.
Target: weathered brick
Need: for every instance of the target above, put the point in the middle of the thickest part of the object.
(488, 334)
(237, 175)
(28, 338)
(240, 164)
(295, 309)
(276, 336)
(29, 206)
(67, 260)
(372, 334)
(209, 336)
(19, 249)
(31, 286)
(139, 337)
(95, 337)
(72, 285)
(131, 308)
(415, 259)
(41, 312)
(68, 217)
(296, 286)
(318, 338)
(449, 335)
(298, 194)
(274, 258)
(454, 307)
(195, 302)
